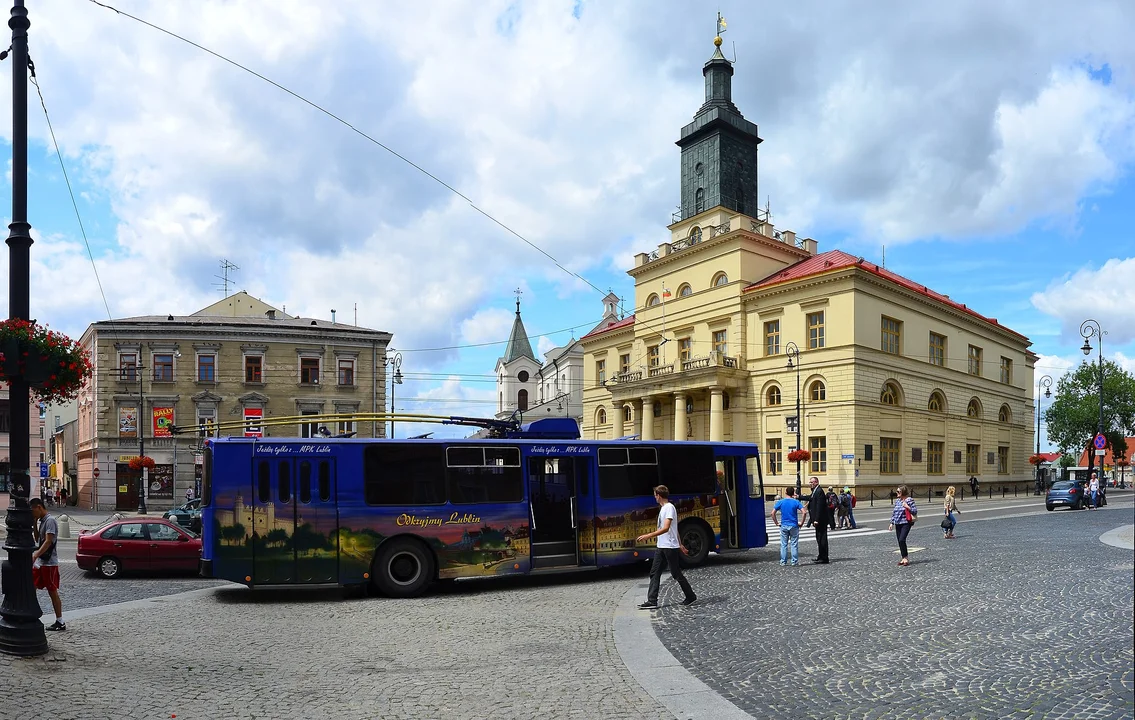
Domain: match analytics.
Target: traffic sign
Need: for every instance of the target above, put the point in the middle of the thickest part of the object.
(96, 473)
(43, 470)
(1100, 442)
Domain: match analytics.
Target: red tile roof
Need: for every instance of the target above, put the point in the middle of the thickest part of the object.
(1107, 458)
(838, 260)
(610, 326)
(1050, 457)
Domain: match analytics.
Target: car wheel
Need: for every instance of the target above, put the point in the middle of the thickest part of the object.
(109, 567)
(403, 568)
(697, 540)
(1050, 508)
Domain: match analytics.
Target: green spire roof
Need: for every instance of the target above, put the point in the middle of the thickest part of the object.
(518, 345)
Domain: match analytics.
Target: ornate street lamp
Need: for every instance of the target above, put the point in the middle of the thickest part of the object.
(1088, 329)
(394, 361)
(793, 353)
(1046, 383)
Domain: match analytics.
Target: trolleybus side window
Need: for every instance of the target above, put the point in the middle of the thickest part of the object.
(627, 472)
(285, 479)
(303, 488)
(264, 482)
(403, 474)
(484, 475)
(324, 481)
(207, 478)
(688, 469)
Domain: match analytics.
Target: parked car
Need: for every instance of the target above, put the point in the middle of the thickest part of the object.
(1070, 493)
(138, 545)
(187, 516)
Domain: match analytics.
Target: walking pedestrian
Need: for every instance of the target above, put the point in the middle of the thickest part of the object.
(789, 523)
(189, 495)
(45, 560)
(973, 485)
(819, 516)
(844, 509)
(950, 507)
(851, 510)
(63, 496)
(833, 504)
(902, 520)
(1094, 491)
(667, 554)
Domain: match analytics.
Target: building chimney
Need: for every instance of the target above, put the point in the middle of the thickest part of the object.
(271, 314)
(332, 316)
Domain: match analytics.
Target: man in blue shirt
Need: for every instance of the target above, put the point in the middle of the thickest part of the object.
(790, 511)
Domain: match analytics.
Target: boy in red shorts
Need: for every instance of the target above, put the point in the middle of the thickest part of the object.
(45, 561)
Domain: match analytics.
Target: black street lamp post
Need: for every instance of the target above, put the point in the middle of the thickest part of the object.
(141, 444)
(395, 361)
(21, 632)
(793, 353)
(1046, 383)
(1090, 328)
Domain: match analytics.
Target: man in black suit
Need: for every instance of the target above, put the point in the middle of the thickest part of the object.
(819, 515)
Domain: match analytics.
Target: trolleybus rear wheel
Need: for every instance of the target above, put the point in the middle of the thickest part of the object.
(697, 540)
(403, 568)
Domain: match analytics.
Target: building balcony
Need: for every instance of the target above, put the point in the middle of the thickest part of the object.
(713, 369)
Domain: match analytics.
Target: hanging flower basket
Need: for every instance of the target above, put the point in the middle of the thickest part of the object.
(51, 363)
(1036, 459)
(799, 456)
(137, 463)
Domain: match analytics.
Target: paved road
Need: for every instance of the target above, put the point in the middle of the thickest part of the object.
(1022, 617)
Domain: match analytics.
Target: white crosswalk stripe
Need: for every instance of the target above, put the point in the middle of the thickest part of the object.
(809, 533)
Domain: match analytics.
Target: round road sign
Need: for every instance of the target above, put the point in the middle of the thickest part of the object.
(96, 472)
(1100, 442)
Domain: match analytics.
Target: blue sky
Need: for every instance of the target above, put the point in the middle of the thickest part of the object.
(990, 150)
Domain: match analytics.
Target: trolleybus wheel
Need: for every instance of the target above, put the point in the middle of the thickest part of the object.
(697, 540)
(109, 567)
(403, 568)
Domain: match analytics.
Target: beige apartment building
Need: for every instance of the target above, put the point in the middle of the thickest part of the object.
(239, 359)
(897, 383)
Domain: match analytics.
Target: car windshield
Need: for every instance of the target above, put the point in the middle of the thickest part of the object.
(1062, 485)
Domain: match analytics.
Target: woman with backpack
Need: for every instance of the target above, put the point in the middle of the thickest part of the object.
(902, 520)
(949, 507)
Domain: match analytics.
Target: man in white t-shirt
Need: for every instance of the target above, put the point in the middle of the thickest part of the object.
(667, 554)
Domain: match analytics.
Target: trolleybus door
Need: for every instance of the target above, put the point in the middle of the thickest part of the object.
(552, 485)
(295, 522)
(742, 503)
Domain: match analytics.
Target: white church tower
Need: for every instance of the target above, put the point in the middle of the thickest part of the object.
(516, 371)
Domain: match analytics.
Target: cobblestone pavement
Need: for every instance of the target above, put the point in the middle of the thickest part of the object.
(1024, 617)
(525, 648)
(81, 590)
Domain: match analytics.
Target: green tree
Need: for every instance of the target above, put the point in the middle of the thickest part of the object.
(1074, 415)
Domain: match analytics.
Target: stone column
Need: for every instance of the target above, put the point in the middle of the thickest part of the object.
(647, 432)
(636, 424)
(716, 416)
(679, 416)
(617, 420)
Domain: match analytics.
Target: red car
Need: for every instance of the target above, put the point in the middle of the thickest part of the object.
(138, 544)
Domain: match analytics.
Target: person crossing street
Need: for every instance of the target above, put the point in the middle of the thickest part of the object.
(667, 554)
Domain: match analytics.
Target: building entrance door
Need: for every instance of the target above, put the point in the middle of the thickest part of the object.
(126, 487)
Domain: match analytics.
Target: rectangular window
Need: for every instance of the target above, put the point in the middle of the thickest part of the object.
(206, 368)
(346, 426)
(687, 469)
(163, 368)
(625, 363)
(892, 336)
(775, 457)
(484, 475)
(937, 349)
(654, 355)
(720, 346)
(974, 360)
(324, 481)
(1002, 460)
(772, 337)
(684, 349)
(206, 422)
(889, 449)
(264, 482)
(815, 330)
(309, 371)
(934, 453)
(818, 446)
(600, 372)
(309, 429)
(253, 365)
(346, 372)
(627, 472)
(404, 474)
(973, 452)
(1006, 370)
(128, 367)
(303, 482)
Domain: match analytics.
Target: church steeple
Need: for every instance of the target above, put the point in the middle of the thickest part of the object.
(719, 148)
(518, 344)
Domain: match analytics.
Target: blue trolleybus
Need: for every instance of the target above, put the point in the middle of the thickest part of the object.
(399, 514)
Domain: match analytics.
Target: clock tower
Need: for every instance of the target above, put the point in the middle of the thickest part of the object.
(719, 148)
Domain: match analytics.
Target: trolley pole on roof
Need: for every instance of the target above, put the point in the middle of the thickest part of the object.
(21, 632)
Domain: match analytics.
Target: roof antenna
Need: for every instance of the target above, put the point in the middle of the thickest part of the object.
(884, 265)
(226, 266)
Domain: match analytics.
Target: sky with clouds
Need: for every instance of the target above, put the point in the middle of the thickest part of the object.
(989, 147)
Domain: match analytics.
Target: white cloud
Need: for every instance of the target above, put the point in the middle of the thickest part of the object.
(1106, 295)
(1127, 363)
(488, 325)
(544, 344)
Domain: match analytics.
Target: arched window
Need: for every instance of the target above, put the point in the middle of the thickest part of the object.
(773, 395)
(652, 300)
(695, 235)
(626, 413)
(601, 416)
(973, 410)
(890, 394)
(684, 290)
(522, 400)
(937, 403)
(818, 391)
(720, 279)
(1004, 414)
(699, 201)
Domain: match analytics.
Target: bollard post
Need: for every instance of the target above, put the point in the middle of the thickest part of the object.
(64, 523)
